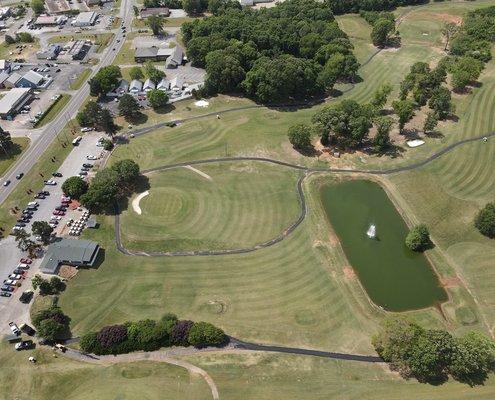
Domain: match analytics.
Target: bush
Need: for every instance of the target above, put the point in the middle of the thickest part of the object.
(111, 336)
(180, 333)
(203, 334)
(51, 323)
(300, 136)
(485, 220)
(418, 239)
(89, 343)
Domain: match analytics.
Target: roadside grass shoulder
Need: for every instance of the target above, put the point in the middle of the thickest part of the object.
(6, 160)
(81, 79)
(53, 110)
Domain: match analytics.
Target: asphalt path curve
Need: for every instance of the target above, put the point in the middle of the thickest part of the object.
(306, 171)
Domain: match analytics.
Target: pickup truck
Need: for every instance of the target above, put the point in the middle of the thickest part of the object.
(14, 328)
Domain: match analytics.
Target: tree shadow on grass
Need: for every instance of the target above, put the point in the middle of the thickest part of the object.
(164, 110)
(13, 151)
(139, 119)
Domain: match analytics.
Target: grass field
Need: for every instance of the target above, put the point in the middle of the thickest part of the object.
(242, 205)
(59, 379)
(262, 376)
(20, 144)
(54, 110)
(81, 78)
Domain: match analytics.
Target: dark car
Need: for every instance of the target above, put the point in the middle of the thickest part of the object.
(5, 294)
(40, 196)
(87, 165)
(45, 192)
(20, 224)
(26, 296)
(24, 345)
(57, 174)
(27, 329)
(7, 288)
(58, 70)
(19, 176)
(18, 271)
(60, 208)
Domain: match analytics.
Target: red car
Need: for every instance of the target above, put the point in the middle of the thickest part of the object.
(56, 212)
(26, 261)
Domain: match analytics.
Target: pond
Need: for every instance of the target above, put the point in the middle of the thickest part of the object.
(394, 277)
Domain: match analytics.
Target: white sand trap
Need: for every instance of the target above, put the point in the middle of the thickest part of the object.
(415, 143)
(202, 103)
(135, 202)
(199, 172)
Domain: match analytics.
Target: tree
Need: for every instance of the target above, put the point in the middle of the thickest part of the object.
(6, 142)
(38, 6)
(431, 122)
(105, 80)
(404, 110)
(155, 23)
(300, 136)
(309, 44)
(75, 187)
(418, 238)
(194, 7)
(441, 102)
(45, 288)
(381, 141)
(89, 343)
(32, 248)
(42, 229)
(460, 79)
(50, 329)
(90, 115)
(136, 73)
(128, 106)
(57, 284)
(136, 11)
(449, 30)
(105, 122)
(110, 336)
(346, 124)
(224, 72)
(157, 98)
(22, 237)
(153, 73)
(36, 281)
(339, 67)
(203, 334)
(485, 220)
(9, 39)
(180, 333)
(382, 29)
(380, 96)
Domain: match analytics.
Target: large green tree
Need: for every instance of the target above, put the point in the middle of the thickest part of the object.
(224, 72)
(381, 141)
(38, 6)
(105, 80)
(153, 73)
(418, 238)
(194, 7)
(485, 220)
(157, 98)
(155, 23)
(136, 73)
(382, 29)
(42, 229)
(300, 136)
(441, 102)
(404, 110)
(128, 107)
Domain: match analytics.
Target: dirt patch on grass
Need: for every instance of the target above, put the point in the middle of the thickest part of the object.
(67, 271)
(456, 19)
(349, 273)
(451, 282)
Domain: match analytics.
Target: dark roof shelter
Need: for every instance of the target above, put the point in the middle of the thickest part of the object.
(78, 253)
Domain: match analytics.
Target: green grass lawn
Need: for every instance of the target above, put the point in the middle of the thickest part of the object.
(58, 378)
(126, 53)
(81, 79)
(54, 110)
(6, 160)
(264, 376)
(243, 204)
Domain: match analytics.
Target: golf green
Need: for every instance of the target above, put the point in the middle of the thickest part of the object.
(394, 277)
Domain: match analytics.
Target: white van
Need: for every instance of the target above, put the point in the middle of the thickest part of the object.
(76, 141)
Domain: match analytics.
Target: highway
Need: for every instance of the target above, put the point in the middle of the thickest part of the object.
(34, 152)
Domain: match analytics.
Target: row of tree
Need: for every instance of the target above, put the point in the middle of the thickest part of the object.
(96, 117)
(48, 287)
(150, 335)
(432, 355)
(52, 324)
(111, 185)
(355, 6)
(291, 51)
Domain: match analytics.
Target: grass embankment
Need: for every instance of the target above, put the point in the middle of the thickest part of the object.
(53, 110)
(101, 40)
(187, 211)
(6, 160)
(54, 378)
(32, 179)
(81, 79)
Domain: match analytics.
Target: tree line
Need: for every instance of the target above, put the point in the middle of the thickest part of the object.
(150, 335)
(289, 52)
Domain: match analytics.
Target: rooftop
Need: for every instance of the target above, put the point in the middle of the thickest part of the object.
(12, 98)
(86, 17)
(33, 77)
(69, 251)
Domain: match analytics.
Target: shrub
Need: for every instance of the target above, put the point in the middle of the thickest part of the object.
(485, 220)
(180, 333)
(90, 344)
(300, 136)
(203, 334)
(110, 336)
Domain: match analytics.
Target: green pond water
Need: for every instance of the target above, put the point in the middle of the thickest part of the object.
(393, 276)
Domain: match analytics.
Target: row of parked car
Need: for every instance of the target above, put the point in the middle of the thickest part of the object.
(14, 280)
(17, 330)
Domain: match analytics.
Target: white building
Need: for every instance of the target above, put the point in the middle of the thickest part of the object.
(85, 19)
(148, 85)
(136, 87)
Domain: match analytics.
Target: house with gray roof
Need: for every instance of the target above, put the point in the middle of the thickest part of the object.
(143, 54)
(136, 87)
(31, 79)
(13, 101)
(12, 80)
(148, 85)
(77, 253)
(176, 58)
(3, 77)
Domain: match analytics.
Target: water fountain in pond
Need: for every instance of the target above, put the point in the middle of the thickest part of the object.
(371, 232)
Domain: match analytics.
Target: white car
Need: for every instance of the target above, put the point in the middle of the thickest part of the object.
(23, 266)
(10, 282)
(86, 129)
(89, 157)
(50, 182)
(53, 224)
(15, 276)
(14, 328)
(55, 218)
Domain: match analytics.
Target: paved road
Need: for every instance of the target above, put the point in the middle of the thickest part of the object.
(302, 199)
(34, 152)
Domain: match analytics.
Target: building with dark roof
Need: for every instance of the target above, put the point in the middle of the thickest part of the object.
(148, 12)
(77, 253)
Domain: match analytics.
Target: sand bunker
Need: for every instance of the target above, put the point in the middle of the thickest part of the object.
(135, 202)
(202, 103)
